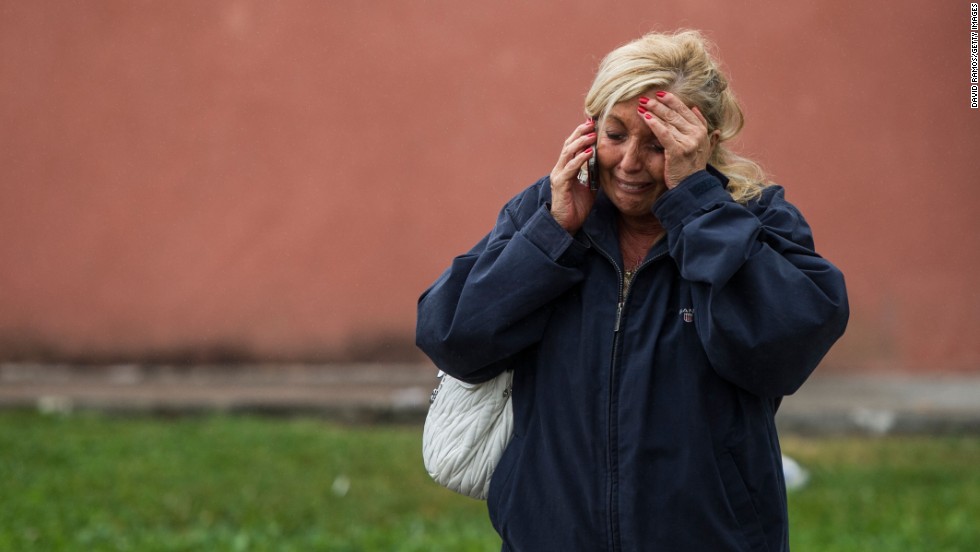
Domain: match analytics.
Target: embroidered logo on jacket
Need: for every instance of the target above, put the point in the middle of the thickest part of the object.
(687, 315)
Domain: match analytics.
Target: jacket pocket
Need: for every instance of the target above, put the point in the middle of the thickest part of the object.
(500, 481)
(740, 501)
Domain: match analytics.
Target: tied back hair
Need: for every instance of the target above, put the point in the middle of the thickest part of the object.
(680, 63)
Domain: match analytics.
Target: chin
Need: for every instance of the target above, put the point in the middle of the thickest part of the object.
(636, 211)
(635, 205)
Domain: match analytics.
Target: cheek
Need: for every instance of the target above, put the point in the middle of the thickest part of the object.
(655, 165)
(607, 158)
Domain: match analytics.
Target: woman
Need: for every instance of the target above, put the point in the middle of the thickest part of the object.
(653, 327)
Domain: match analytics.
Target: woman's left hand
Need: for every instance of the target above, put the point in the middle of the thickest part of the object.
(683, 133)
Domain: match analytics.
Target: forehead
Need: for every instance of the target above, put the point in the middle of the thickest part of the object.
(624, 115)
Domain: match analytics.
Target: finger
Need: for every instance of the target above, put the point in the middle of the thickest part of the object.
(701, 117)
(666, 133)
(662, 112)
(677, 106)
(575, 163)
(575, 147)
(569, 172)
(679, 128)
(584, 141)
(579, 131)
(580, 164)
(575, 142)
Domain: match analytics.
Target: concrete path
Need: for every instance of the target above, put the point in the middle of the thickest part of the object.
(399, 393)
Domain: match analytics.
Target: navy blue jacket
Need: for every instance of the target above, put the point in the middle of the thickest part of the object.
(642, 422)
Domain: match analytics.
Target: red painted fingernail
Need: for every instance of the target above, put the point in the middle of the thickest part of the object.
(588, 150)
(644, 100)
(641, 109)
(661, 93)
(591, 135)
(648, 116)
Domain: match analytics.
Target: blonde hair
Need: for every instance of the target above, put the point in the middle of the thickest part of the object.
(679, 63)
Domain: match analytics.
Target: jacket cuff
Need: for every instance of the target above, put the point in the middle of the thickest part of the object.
(693, 195)
(546, 234)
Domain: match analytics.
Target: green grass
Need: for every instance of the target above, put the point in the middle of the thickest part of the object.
(898, 494)
(89, 482)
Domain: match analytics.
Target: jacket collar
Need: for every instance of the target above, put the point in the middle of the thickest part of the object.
(601, 229)
(601, 225)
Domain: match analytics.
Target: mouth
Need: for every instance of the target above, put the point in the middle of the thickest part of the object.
(632, 187)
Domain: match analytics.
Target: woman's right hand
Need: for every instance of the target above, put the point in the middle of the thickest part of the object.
(571, 200)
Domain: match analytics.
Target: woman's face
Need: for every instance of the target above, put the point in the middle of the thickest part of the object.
(631, 161)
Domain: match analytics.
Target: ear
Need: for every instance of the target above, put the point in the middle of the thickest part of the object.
(715, 137)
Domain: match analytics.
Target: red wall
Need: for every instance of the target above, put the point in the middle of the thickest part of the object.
(280, 180)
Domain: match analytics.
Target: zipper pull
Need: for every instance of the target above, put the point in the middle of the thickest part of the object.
(619, 316)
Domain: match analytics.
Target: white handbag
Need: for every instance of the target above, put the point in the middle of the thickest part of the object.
(466, 431)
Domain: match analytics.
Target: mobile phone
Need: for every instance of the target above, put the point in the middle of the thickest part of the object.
(593, 171)
(589, 173)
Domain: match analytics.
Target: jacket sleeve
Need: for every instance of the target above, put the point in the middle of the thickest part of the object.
(493, 302)
(767, 306)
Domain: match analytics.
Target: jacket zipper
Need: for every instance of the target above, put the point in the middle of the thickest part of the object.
(612, 429)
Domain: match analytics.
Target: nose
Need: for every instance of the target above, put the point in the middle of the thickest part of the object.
(631, 161)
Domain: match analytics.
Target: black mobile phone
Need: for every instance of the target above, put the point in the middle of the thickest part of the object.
(589, 172)
(593, 169)
(593, 172)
